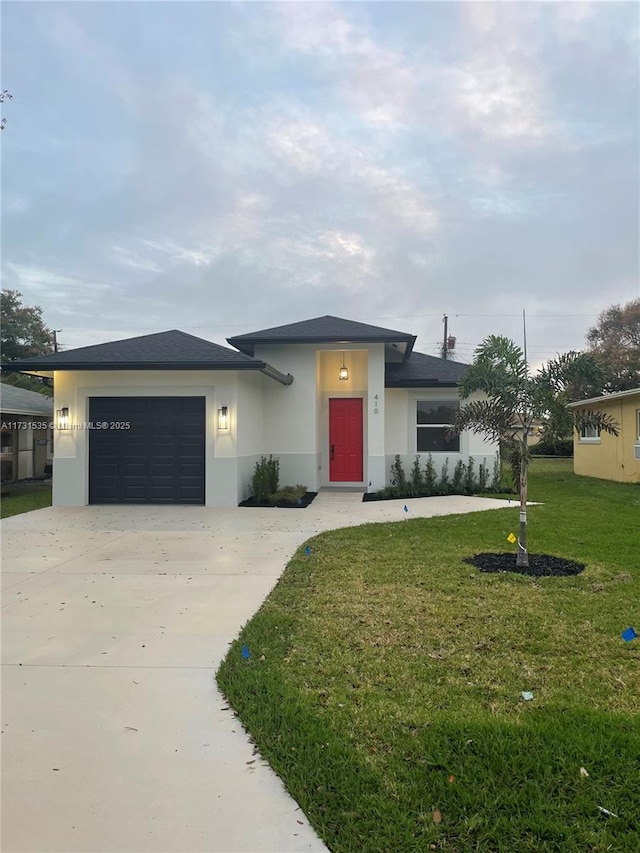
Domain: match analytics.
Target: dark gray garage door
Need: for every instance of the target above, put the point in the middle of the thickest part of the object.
(159, 459)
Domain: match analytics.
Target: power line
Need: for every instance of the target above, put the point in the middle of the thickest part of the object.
(368, 319)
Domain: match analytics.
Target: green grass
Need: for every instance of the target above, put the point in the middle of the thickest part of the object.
(385, 677)
(24, 499)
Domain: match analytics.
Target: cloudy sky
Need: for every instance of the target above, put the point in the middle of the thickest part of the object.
(224, 167)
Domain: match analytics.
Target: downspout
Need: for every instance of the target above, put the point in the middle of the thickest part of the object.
(272, 373)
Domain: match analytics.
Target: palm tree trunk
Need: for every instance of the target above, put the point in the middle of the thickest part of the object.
(522, 558)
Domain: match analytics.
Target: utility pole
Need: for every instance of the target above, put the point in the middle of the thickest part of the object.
(445, 320)
(55, 339)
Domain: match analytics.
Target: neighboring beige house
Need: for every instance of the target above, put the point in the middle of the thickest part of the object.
(610, 457)
(26, 439)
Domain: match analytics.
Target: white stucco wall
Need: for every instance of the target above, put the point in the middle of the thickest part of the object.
(71, 449)
(252, 388)
(290, 426)
(401, 435)
(376, 473)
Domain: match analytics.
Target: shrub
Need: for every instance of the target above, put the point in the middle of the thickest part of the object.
(430, 476)
(470, 484)
(459, 476)
(483, 476)
(563, 447)
(265, 478)
(496, 479)
(398, 477)
(426, 483)
(444, 483)
(416, 484)
(290, 494)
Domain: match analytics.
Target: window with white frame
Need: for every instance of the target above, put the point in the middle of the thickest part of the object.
(638, 424)
(590, 433)
(433, 421)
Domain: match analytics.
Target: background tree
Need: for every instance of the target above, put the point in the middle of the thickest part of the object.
(513, 400)
(615, 342)
(23, 334)
(5, 95)
(569, 377)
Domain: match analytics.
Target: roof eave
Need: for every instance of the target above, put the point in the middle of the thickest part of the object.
(132, 365)
(11, 410)
(604, 398)
(419, 383)
(410, 340)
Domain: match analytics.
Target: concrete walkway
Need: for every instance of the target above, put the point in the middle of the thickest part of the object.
(114, 620)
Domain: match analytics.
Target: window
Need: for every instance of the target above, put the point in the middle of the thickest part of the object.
(638, 424)
(590, 433)
(433, 421)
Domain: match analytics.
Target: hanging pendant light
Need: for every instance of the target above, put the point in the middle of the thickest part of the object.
(344, 373)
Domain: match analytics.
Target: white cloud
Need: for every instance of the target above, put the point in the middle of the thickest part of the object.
(498, 91)
(305, 146)
(34, 278)
(309, 148)
(196, 255)
(401, 200)
(128, 258)
(376, 81)
(502, 100)
(328, 258)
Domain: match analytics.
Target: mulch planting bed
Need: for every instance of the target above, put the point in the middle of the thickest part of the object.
(304, 501)
(539, 564)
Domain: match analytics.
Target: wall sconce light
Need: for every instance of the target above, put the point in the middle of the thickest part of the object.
(62, 417)
(223, 417)
(344, 373)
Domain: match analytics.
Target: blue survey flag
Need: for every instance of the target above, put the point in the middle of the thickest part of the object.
(629, 634)
(307, 551)
(245, 652)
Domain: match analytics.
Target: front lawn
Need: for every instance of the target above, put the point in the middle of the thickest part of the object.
(23, 498)
(385, 677)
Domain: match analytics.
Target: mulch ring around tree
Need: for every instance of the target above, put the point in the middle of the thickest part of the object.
(303, 502)
(540, 565)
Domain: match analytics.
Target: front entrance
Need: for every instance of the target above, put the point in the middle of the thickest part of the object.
(345, 440)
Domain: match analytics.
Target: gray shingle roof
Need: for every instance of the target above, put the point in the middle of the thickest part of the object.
(20, 401)
(423, 371)
(326, 329)
(164, 350)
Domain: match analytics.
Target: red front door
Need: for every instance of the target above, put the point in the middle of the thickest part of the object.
(345, 440)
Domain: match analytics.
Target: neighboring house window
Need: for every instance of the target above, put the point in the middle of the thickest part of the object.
(590, 433)
(638, 424)
(433, 420)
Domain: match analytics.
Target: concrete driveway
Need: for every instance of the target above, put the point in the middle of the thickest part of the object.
(114, 620)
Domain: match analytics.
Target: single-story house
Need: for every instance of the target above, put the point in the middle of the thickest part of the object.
(173, 418)
(26, 438)
(610, 457)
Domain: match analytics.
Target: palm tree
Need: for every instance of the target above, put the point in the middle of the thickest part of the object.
(513, 401)
(570, 377)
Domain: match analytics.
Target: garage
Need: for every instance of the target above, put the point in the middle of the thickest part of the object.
(147, 450)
